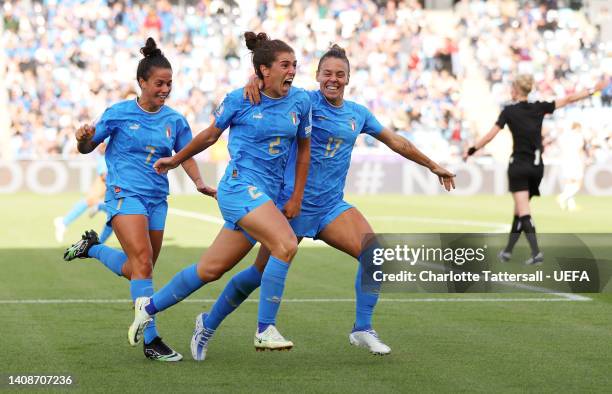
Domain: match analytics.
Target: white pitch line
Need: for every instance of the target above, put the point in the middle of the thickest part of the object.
(498, 226)
(564, 298)
(469, 223)
(196, 215)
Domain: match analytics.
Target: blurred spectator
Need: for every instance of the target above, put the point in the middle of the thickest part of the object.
(68, 60)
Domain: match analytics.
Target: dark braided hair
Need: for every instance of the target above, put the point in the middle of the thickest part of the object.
(264, 50)
(153, 57)
(335, 51)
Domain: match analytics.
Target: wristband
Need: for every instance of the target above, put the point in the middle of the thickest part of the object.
(471, 151)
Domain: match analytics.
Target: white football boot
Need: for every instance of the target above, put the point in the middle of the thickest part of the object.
(141, 319)
(271, 339)
(60, 228)
(201, 337)
(369, 340)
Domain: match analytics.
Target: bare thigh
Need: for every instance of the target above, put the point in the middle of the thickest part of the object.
(270, 227)
(228, 248)
(132, 231)
(348, 232)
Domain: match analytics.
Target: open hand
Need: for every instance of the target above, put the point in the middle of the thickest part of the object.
(446, 178)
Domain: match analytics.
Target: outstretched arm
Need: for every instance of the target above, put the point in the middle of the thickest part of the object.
(483, 141)
(572, 98)
(293, 206)
(407, 149)
(203, 140)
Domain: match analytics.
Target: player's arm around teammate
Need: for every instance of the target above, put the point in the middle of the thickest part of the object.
(336, 124)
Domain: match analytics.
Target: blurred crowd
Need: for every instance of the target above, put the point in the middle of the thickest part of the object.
(68, 60)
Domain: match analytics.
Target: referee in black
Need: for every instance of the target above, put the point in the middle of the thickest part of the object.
(526, 169)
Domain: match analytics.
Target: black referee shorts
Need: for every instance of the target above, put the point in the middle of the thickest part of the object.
(523, 175)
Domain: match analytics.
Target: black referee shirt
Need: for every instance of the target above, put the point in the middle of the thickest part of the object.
(525, 122)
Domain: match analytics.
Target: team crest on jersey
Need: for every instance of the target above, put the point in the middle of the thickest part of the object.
(168, 131)
(353, 124)
(294, 118)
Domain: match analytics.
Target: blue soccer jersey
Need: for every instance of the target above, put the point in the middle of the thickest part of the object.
(335, 130)
(137, 139)
(261, 136)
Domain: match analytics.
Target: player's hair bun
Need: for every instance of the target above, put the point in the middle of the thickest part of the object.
(254, 40)
(150, 49)
(337, 48)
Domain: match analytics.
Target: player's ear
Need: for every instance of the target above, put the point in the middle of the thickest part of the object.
(265, 71)
(348, 78)
(141, 81)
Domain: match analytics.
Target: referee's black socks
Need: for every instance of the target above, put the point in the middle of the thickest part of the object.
(530, 233)
(515, 233)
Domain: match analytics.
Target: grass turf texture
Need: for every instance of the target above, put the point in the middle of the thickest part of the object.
(437, 346)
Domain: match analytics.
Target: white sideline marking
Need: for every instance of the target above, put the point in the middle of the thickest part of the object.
(561, 297)
(469, 223)
(196, 215)
(498, 226)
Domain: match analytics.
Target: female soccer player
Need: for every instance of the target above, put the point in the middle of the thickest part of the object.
(140, 131)
(259, 145)
(325, 215)
(526, 168)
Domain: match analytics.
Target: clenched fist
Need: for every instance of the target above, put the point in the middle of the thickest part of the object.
(85, 133)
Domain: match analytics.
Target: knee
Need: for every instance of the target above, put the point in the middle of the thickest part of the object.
(90, 201)
(142, 263)
(285, 248)
(210, 271)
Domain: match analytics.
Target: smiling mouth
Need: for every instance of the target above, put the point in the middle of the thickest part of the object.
(332, 88)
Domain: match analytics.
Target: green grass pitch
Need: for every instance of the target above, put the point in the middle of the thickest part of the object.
(476, 346)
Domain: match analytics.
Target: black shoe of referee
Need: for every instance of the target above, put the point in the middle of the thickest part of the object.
(157, 350)
(504, 256)
(535, 260)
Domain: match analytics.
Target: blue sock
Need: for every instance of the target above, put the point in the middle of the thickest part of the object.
(113, 259)
(272, 286)
(364, 302)
(107, 231)
(144, 288)
(76, 211)
(236, 291)
(180, 287)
